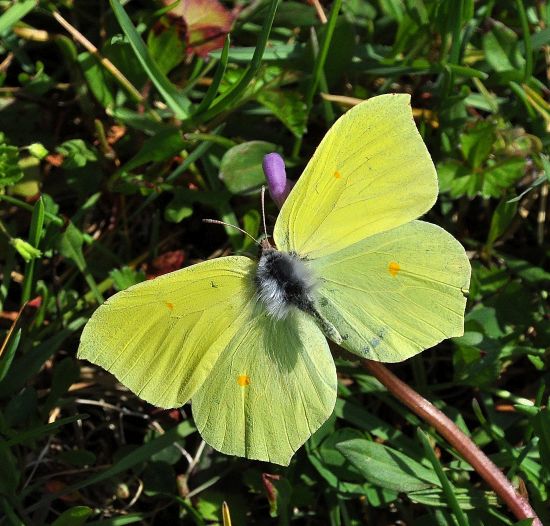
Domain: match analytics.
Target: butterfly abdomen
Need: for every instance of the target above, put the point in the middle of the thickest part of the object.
(283, 281)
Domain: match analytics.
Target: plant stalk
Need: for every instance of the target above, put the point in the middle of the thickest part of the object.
(519, 506)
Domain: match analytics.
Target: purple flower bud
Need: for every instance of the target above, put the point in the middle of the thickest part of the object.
(277, 183)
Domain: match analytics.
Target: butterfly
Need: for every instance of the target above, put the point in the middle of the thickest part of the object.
(246, 340)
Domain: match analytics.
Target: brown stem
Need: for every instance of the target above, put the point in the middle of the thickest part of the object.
(519, 506)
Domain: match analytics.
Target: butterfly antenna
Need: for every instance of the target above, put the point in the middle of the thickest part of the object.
(217, 222)
(263, 211)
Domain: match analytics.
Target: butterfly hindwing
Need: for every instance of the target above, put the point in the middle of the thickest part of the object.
(395, 293)
(161, 338)
(271, 388)
(371, 172)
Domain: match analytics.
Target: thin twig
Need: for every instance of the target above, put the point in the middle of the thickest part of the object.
(319, 8)
(38, 461)
(519, 506)
(541, 216)
(196, 459)
(106, 63)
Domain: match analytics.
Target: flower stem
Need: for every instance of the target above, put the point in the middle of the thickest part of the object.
(519, 506)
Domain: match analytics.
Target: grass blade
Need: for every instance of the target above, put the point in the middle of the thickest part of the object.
(318, 67)
(233, 94)
(9, 347)
(15, 13)
(177, 103)
(37, 224)
(445, 484)
(218, 76)
(37, 432)
(526, 40)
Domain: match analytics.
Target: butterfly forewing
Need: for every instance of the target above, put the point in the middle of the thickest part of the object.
(371, 172)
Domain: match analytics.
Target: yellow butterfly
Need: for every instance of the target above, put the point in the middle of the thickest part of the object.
(245, 340)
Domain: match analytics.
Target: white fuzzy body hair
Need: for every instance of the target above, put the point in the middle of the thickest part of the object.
(282, 282)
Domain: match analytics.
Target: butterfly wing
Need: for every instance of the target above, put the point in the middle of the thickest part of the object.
(270, 389)
(395, 293)
(371, 172)
(161, 338)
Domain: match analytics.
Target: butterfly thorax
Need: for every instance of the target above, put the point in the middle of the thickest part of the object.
(283, 281)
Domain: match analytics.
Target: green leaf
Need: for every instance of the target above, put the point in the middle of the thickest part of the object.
(341, 49)
(126, 277)
(35, 235)
(167, 48)
(70, 246)
(241, 166)
(9, 474)
(21, 408)
(449, 491)
(100, 83)
(477, 143)
(138, 121)
(121, 520)
(288, 107)
(119, 51)
(76, 153)
(498, 178)
(487, 318)
(40, 431)
(231, 96)
(541, 425)
(15, 13)
(25, 249)
(251, 224)
(75, 516)
(526, 271)
(7, 356)
(387, 467)
(501, 48)
(276, 53)
(334, 460)
(10, 171)
(178, 208)
(501, 219)
(468, 499)
(177, 102)
(210, 94)
(493, 180)
(161, 147)
(31, 362)
(455, 178)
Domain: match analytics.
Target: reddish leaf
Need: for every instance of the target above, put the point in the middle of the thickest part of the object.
(207, 23)
(167, 262)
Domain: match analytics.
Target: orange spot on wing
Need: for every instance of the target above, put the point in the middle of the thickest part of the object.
(337, 175)
(243, 380)
(170, 305)
(394, 268)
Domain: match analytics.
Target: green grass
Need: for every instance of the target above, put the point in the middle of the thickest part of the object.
(109, 161)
